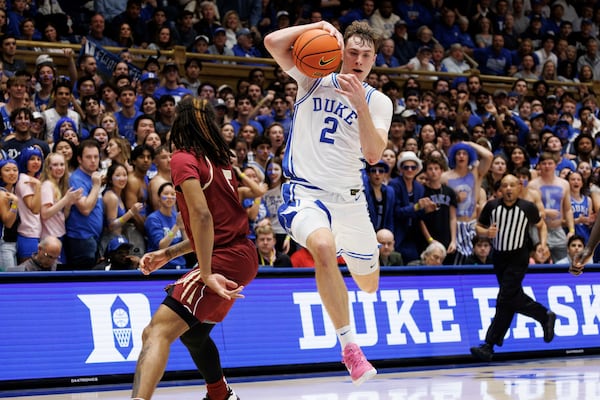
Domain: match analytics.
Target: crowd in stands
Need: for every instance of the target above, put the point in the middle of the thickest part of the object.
(85, 158)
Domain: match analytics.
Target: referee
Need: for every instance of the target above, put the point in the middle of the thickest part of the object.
(506, 221)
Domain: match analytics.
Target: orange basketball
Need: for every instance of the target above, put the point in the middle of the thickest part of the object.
(316, 53)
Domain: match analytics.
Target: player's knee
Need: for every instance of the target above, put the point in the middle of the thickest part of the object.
(190, 342)
(152, 333)
(147, 333)
(322, 248)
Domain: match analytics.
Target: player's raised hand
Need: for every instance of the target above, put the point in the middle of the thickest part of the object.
(333, 31)
(352, 88)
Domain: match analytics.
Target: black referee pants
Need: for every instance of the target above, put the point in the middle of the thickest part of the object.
(510, 268)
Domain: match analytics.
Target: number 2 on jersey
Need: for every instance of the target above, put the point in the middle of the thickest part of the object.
(330, 128)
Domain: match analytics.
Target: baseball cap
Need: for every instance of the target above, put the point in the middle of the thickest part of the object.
(537, 115)
(151, 60)
(220, 29)
(117, 242)
(408, 113)
(201, 37)
(37, 115)
(424, 48)
(43, 59)
(283, 13)
(536, 17)
(169, 65)
(243, 31)
(224, 87)
(458, 80)
(400, 22)
(218, 102)
(149, 76)
(381, 164)
(513, 94)
(586, 21)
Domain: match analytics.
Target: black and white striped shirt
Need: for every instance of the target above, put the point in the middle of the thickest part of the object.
(512, 222)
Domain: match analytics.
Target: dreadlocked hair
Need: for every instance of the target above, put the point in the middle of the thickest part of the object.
(196, 131)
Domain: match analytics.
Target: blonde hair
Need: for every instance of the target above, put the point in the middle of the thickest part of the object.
(125, 148)
(115, 133)
(264, 230)
(61, 186)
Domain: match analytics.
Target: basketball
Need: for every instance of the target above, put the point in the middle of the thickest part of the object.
(316, 53)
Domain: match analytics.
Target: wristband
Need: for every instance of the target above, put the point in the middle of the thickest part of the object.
(257, 200)
(170, 234)
(242, 175)
(571, 230)
(13, 206)
(417, 207)
(429, 239)
(120, 220)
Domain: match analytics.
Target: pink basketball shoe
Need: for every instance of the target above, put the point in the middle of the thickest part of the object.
(360, 369)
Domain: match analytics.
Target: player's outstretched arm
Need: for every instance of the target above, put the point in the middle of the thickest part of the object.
(154, 260)
(279, 42)
(585, 256)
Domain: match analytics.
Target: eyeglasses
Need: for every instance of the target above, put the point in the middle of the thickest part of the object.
(50, 256)
(409, 167)
(377, 171)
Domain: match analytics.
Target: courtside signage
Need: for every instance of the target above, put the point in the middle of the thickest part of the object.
(84, 329)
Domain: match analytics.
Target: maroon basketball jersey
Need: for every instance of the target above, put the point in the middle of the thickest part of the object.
(220, 189)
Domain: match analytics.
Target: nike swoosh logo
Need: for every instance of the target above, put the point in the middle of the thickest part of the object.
(323, 62)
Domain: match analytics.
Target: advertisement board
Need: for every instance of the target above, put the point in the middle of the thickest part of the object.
(77, 329)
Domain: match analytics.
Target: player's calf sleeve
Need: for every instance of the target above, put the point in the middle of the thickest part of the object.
(203, 351)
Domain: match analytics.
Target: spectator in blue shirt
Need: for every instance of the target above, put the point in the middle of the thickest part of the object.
(128, 114)
(364, 12)
(385, 56)
(85, 222)
(245, 46)
(494, 59)
(164, 227)
(464, 37)
(415, 14)
(447, 31)
(171, 84)
(380, 197)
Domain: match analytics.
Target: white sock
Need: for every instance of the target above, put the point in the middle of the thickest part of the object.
(345, 335)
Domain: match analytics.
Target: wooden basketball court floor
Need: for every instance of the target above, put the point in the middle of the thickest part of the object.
(568, 378)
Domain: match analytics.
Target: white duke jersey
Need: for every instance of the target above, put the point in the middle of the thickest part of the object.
(323, 149)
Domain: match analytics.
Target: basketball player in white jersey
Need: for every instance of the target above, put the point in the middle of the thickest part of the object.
(339, 123)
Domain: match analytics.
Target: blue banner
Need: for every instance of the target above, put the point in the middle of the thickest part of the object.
(106, 61)
(92, 328)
